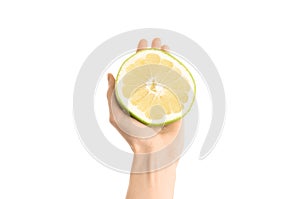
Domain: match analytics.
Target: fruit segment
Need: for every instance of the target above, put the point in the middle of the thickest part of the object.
(152, 58)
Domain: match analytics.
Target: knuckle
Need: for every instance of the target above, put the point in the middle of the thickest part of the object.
(108, 94)
(111, 120)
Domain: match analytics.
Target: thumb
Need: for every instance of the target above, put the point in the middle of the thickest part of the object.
(111, 87)
(111, 80)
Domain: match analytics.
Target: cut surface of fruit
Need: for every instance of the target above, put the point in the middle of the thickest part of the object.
(154, 87)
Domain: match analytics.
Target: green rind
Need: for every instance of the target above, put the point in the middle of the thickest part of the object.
(135, 116)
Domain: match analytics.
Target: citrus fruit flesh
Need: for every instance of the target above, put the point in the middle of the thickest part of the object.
(154, 87)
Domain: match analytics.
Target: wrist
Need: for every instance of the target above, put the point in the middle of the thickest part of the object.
(162, 177)
(153, 162)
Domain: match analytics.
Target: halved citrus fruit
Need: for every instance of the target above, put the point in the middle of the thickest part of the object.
(155, 87)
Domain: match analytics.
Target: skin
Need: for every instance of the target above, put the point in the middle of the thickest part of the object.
(157, 184)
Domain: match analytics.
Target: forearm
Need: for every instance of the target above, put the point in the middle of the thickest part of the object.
(152, 185)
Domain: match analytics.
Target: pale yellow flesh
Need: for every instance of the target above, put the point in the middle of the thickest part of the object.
(154, 85)
(156, 90)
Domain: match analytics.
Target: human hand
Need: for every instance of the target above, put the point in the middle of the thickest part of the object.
(142, 138)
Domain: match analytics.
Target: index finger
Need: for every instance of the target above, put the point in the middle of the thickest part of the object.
(142, 45)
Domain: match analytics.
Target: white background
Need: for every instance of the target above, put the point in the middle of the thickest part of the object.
(254, 44)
